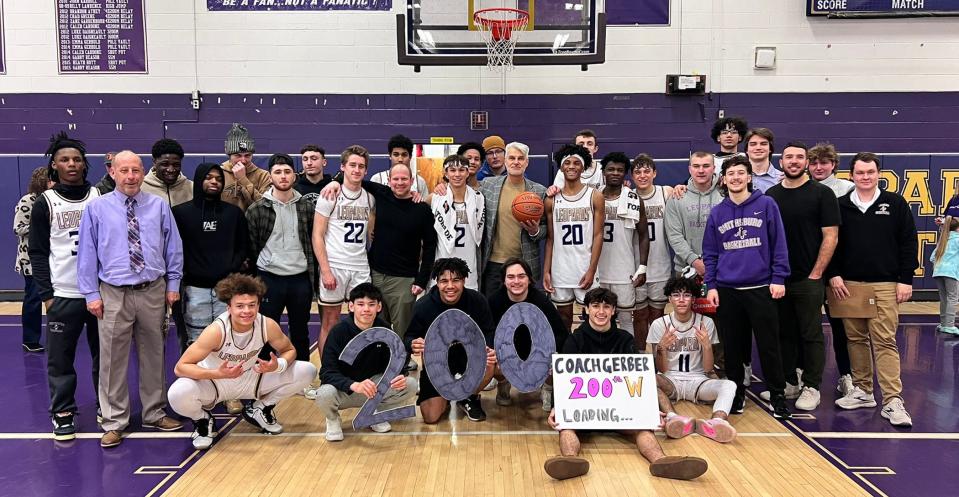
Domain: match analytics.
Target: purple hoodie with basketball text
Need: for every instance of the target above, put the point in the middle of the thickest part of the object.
(744, 245)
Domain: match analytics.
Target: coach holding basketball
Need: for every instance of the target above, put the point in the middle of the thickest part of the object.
(505, 236)
(129, 266)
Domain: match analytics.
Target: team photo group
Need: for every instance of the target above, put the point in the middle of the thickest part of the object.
(745, 251)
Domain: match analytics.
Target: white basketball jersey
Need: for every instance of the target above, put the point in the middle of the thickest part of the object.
(237, 348)
(616, 260)
(65, 217)
(346, 233)
(464, 246)
(659, 264)
(572, 237)
(685, 354)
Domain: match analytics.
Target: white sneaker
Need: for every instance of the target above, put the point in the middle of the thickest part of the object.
(383, 427)
(261, 415)
(844, 386)
(748, 378)
(334, 430)
(808, 400)
(310, 393)
(792, 392)
(546, 394)
(896, 413)
(856, 399)
(204, 431)
(491, 385)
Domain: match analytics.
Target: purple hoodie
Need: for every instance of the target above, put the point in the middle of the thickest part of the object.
(744, 245)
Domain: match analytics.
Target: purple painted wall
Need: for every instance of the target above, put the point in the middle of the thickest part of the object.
(660, 125)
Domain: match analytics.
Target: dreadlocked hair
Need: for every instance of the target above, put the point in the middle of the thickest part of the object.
(59, 142)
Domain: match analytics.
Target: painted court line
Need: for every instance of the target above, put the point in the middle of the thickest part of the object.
(49, 436)
(538, 433)
(881, 435)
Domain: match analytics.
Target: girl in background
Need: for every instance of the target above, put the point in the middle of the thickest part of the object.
(945, 261)
(30, 315)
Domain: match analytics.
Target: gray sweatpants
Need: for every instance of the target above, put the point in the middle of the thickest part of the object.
(331, 400)
(948, 296)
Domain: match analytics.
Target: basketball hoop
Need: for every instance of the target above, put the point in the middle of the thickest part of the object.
(498, 27)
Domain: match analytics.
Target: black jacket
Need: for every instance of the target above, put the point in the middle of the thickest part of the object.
(586, 340)
(39, 238)
(428, 308)
(499, 303)
(370, 362)
(214, 235)
(310, 190)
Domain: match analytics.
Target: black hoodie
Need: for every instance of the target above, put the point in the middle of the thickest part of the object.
(214, 235)
(586, 340)
(368, 363)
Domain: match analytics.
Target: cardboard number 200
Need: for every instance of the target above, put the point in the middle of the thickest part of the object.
(368, 415)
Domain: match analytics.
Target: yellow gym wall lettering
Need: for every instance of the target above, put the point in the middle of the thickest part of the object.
(916, 191)
(924, 238)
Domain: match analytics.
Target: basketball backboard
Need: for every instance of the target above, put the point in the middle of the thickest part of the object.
(443, 33)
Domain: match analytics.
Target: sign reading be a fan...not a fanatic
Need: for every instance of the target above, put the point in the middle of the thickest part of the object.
(605, 391)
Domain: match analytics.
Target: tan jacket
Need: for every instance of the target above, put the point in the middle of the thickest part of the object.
(246, 191)
(181, 190)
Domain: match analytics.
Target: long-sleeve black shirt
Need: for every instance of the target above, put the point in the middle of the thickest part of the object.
(404, 241)
(372, 361)
(39, 238)
(428, 308)
(876, 246)
(586, 340)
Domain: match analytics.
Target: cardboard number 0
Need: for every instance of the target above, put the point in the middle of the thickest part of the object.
(368, 415)
(454, 325)
(528, 375)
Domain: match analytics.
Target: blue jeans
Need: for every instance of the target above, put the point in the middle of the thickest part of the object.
(200, 308)
(31, 316)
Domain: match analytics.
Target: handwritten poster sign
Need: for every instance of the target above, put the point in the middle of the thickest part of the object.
(101, 36)
(605, 391)
(299, 4)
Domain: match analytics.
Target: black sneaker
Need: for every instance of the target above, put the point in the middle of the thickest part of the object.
(780, 411)
(739, 404)
(63, 427)
(473, 408)
(33, 347)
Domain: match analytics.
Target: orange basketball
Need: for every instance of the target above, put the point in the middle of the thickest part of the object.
(527, 206)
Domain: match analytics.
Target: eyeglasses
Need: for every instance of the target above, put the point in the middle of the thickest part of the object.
(728, 132)
(495, 151)
(681, 296)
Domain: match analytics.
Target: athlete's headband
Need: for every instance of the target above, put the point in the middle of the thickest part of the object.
(581, 161)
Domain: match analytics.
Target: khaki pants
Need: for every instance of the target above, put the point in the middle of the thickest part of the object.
(881, 333)
(127, 315)
(398, 300)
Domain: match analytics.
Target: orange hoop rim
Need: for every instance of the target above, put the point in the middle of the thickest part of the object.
(522, 17)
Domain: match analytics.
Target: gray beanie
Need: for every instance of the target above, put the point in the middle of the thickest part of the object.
(238, 140)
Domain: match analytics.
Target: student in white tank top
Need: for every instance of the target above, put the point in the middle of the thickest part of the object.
(650, 299)
(575, 240)
(225, 364)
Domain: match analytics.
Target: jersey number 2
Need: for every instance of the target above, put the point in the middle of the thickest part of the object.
(368, 415)
(355, 233)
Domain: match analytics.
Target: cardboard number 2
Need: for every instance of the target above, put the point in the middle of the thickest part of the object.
(368, 415)
(528, 375)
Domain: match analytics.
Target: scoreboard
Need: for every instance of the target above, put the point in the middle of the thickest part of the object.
(882, 8)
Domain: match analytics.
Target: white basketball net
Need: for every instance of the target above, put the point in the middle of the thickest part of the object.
(500, 29)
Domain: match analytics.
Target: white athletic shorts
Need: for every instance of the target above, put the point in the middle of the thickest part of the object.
(564, 296)
(686, 387)
(625, 295)
(651, 294)
(245, 386)
(346, 280)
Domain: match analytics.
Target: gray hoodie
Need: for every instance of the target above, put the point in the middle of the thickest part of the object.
(283, 254)
(686, 221)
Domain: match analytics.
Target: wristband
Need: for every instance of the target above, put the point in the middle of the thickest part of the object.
(280, 365)
(640, 270)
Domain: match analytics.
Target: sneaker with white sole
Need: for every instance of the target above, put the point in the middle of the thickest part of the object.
(546, 395)
(502, 394)
(748, 377)
(808, 400)
(844, 385)
(792, 392)
(491, 385)
(679, 426)
(310, 393)
(716, 429)
(63, 427)
(383, 427)
(261, 415)
(334, 430)
(856, 399)
(204, 431)
(896, 413)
